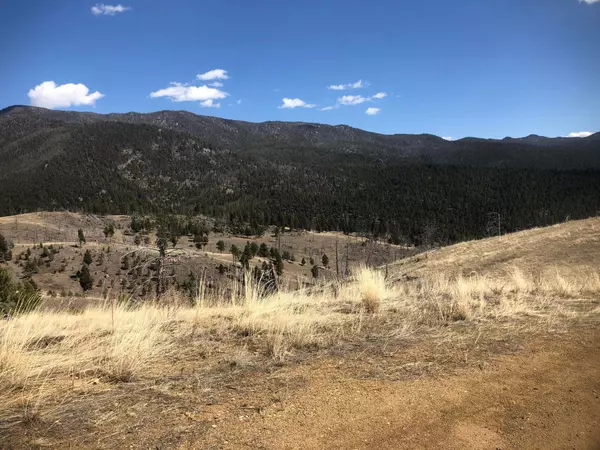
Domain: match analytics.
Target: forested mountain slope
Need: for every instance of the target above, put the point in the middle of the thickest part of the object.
(407, 187)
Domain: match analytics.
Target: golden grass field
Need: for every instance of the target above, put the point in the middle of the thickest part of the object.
(232, 370)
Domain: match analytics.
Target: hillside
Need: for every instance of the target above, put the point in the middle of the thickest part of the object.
(409, 189)
(50, 239)
(445, 353)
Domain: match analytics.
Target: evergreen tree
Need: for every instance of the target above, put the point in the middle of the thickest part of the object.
(278, 264)
(235, 251)
(17, 297)
(245, 261)
(263, 250)
(4, 249)
(80, 237)
(87, 257)
(31, 266)
(221, 245)
(314, 271)
(303, 262)
(325, 260)
(85, 278)
(109, 231)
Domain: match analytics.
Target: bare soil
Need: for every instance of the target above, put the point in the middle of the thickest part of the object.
(547, 396)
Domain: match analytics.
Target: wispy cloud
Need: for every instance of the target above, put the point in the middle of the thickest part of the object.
(290, 103)
(352, 100)
(589, 2)
(348, 100)
(580, 134)
(342, 87)
(49, 95)
(210, 103)
(100, 9)
(216, 84)
(179, 92)
(216, 74)
(239, 102)
(447, 138)
(372, 111)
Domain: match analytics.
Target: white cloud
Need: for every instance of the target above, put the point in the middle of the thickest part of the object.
(447, 138)
(216, 74)
(49, 95)
(341, 87)
(329, 108)
(290, 103)
(380, 95)
(216, 84)
(352, 99)
(372, 111)
(178, 92)
(210, 104)
(100, 9)
(581, 134)
(589, 2)
(239, 102)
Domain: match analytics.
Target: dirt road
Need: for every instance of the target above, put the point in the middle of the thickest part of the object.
(545, 397)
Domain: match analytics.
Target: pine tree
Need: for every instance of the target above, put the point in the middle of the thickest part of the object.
(80, 237)
(245, 261)
(315, 271)
(325, 260)
(221, 245)
(87, 257)
(85, 278)
(303, 262)
(3, 248)
(278, 264)
(109, 231)
(235, 252)
(263, 250)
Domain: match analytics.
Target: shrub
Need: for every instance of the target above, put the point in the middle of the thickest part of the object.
(17, 297)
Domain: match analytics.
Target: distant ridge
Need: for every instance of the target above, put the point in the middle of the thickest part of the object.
(181, 120)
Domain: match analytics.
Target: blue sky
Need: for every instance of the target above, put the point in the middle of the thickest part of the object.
(489, 68)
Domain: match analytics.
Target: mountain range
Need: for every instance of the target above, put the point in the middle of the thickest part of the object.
(21, 122)
(294, 173)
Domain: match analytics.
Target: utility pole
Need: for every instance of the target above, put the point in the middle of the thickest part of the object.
(347, 259)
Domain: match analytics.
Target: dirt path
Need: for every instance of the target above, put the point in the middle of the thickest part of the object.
(546, 397)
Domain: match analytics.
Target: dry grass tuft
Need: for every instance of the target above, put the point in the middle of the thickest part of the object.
(372, 288)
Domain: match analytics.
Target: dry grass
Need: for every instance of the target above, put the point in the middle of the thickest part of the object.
(41, 351)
